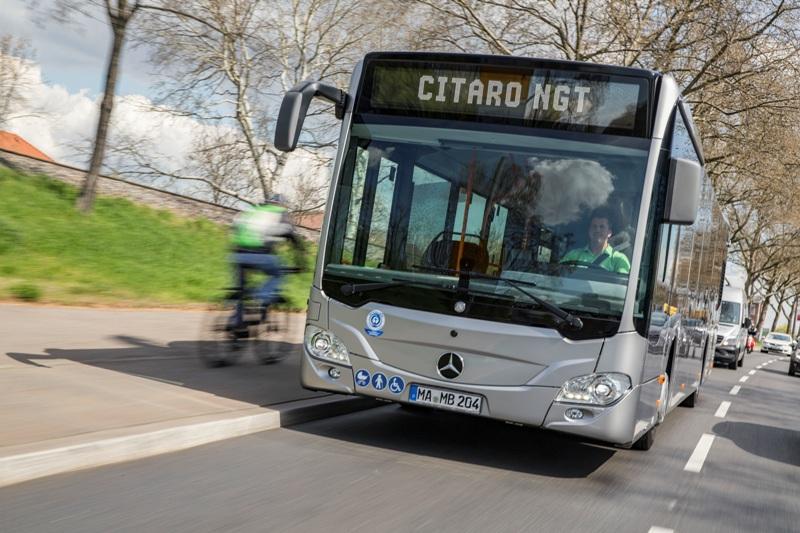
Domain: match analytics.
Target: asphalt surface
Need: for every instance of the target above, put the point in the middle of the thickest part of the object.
(389, 469)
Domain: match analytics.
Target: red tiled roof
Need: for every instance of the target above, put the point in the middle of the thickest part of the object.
(11, 142)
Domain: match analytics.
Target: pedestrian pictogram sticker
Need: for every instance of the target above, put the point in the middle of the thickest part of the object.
(378, 381)
(362, 378)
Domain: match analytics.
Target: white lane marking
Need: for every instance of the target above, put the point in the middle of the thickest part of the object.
(695, 462)
(752, 372)
(722, 410)
(771, 361)
(735, 390)
(743, 379)
(657, 529)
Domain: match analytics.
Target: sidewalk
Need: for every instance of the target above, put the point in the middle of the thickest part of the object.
(85, 387)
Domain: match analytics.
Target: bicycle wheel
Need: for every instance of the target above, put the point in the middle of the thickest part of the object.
(270, 339)
(218, 345)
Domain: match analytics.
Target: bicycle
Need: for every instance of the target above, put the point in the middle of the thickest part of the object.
(262, 334)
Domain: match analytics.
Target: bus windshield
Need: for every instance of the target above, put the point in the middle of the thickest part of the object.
(555, 210)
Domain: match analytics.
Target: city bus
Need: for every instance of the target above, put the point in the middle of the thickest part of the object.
(527, 240)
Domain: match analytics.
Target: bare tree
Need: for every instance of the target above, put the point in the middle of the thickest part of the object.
(118, 14)
(15, 57)
(234, 76)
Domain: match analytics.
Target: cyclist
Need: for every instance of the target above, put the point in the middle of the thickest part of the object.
(257, 231)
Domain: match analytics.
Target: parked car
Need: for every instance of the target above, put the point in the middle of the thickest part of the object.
(776, 342)
(732, 329)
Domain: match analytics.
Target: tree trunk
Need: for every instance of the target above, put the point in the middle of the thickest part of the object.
(778, 312)
(793, 318)
(88, 190)
(762, 313)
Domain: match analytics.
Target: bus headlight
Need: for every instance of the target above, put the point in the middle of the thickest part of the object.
(595, 389)
(325, 345)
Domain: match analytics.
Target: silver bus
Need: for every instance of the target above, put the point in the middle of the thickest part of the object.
(527, 240)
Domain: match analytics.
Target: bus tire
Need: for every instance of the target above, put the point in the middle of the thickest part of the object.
(691, 400)
(646, 441)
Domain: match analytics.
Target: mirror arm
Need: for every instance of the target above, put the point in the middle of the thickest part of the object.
(332, 94)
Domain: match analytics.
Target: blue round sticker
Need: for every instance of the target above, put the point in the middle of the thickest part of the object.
(362, 378)
(396, 385)
(375, 322)
(378, 381)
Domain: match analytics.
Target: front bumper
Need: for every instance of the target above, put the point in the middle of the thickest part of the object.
(725, 353)
(774, 349)
(527, 405)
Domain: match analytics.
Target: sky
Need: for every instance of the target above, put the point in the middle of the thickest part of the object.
(73, 55)
(65, 82)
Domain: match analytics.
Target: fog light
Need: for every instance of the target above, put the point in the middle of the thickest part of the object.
(574, 414)
(335, 373)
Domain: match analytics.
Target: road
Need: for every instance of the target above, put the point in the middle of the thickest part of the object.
(388, 469)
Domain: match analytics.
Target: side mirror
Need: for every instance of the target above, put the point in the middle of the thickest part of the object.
(683, 191)
(748, 323)
(294, 108)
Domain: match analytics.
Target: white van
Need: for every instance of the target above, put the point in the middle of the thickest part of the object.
(733, 326)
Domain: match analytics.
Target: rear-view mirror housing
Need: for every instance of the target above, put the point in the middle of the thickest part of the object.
(294, 108)
(683, 191)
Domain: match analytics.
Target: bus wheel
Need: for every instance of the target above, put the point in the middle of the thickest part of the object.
(691, 400)
(646, 441)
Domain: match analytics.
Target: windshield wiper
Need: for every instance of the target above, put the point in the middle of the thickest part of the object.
(565, 316)
(349, 289)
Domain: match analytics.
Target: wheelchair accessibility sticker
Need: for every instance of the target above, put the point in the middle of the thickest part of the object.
(375, 322)
(396, 385)
(362, 378)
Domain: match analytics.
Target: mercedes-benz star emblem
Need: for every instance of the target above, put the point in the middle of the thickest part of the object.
(450, 365)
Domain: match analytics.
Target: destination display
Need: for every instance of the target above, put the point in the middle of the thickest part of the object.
(537, 97)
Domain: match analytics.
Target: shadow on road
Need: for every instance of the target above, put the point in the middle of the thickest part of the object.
(465, 439)
(176, 363)
(775, 443)
(776, 371)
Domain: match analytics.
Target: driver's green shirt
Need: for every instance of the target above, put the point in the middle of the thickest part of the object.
(615, 262)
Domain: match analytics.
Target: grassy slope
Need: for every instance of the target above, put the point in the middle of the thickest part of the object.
(121, 253)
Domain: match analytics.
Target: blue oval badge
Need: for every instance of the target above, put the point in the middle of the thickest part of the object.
(375, 322)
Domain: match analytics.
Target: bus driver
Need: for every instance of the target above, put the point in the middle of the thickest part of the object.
(598, 252)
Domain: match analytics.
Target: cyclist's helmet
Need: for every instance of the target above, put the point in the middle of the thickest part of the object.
(277, 199)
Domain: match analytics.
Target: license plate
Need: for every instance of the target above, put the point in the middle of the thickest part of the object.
(445, 399)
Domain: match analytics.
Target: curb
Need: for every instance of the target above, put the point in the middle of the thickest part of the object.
(105, 451)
